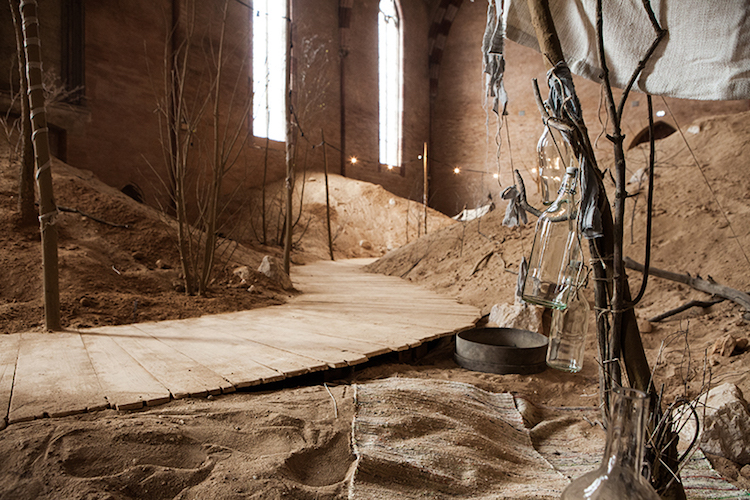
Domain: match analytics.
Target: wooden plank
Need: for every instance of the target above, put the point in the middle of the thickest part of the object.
(180, 374)
(283, 319)
(54, 377)
(402, 300)
(240, 326)
(125, 383)
(416, 325)
(206, 341)
(8, 355)
(292, 340)
(412, 330)
(371, 339)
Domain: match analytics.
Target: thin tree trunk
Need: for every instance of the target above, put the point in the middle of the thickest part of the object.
(426, 190)
(26, 208)
(40, 137)
(289, 142)
(328, 202)
(263, 193)
(209, 249)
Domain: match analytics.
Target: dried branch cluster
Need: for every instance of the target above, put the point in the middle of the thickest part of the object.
(620, 345)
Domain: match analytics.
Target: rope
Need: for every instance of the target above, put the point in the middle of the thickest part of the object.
(48, 219)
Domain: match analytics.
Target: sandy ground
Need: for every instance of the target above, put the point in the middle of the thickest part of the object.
(292, 441)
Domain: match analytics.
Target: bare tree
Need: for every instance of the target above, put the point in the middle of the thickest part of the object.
(197, 161)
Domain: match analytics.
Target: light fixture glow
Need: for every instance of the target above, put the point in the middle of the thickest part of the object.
(390, 167)
(661, 113)
(456, 170)
(354, 160)
(496, 175)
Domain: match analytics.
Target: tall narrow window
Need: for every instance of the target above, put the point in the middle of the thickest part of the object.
(269, 69)
(389, 70)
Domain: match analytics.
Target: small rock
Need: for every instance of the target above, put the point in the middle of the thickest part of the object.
(518, 315)
(178, 286)
(160, 264)
(724, 346)
(271, 268)
(726, 427)
(243, 273)
(745, 471)
(253, 289)
(365, 244)
(86, 302)
(645, 326)
(210, 397)
(139, 256)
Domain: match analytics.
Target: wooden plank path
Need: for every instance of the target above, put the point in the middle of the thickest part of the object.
(343, 317)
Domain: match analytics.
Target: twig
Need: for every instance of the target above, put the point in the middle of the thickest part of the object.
(697, 282)
(685, 307)
(649, 202)
(92, 217)
(484, 259)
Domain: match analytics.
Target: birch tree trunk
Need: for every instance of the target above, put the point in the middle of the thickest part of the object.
(40, 138)
(26, 209)
(289, 142)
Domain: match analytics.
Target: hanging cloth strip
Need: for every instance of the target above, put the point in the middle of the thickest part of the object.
(563, 105)
(494, 62)
(515, 215)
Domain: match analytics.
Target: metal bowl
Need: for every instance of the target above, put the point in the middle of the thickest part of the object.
(501, 350)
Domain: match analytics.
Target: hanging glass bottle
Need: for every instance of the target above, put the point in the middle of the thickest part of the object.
(568, 334)
(619, 475)
(555, 263)
(554, 154)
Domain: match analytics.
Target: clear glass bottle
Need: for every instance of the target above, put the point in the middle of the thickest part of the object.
(619, 475)
(554, 154)
(555, 263)
(567, 336)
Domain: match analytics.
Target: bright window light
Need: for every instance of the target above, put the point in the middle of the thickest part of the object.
(269, 69)
(390, 78)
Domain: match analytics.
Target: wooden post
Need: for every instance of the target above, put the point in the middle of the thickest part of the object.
(426, 191)
(40, 138)
(546, 35)
(328, 202)
(289, 141)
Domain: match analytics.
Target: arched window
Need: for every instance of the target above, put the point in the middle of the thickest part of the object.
(390, 83)
(269, 69)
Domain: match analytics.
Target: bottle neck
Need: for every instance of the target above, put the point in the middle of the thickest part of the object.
(626, 430)
(564, 206)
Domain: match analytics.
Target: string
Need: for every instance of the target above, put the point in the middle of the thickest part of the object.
(708, 184)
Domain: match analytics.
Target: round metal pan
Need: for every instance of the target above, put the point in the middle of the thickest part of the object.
(501, 350)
